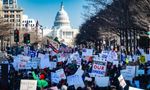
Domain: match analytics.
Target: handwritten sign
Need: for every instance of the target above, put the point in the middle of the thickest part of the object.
(102, 81)
(28, 85)
(133, 88)
(122, 81)
(99, 68)
(54, 77)
(87, 52)
(75, 80)
(61, 73)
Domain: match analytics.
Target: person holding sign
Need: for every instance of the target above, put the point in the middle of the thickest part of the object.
(40, 81)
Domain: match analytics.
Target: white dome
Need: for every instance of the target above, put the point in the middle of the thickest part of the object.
(61, 17)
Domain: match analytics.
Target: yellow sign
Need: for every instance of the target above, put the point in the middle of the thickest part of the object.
(142, 59)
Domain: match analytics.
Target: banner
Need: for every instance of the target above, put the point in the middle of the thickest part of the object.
(99, 68)
(28, 85)
(122, 81)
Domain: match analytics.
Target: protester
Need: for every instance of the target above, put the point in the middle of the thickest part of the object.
(54, 70)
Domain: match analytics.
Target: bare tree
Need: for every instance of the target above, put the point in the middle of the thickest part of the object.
(5, 28)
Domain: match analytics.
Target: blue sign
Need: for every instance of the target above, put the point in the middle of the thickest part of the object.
(32, 53)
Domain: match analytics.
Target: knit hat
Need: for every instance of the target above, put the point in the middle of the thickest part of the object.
(42, 76)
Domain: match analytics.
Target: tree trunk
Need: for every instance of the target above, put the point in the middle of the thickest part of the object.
(2, 43)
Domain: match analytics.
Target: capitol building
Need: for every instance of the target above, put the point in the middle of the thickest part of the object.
(62, 28)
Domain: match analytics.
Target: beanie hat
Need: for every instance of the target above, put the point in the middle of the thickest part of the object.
(42, 76)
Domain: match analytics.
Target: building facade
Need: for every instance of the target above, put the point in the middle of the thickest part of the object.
(62, 28)
(12, 13)
(28, 22)
(1, 8)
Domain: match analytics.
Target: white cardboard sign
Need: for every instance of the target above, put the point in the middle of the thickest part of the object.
(133, 88)
(28, 85)
(99, 68)
(75, 80)
(61, 73)
(122, 81)
(102, 81)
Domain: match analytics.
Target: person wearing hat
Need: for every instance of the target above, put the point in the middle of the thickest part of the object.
(41, 82)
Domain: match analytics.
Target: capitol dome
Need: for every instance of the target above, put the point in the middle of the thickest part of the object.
(62, 17)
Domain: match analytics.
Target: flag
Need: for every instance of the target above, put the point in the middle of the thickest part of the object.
(63, 45)
(56, 40)
(53, 48)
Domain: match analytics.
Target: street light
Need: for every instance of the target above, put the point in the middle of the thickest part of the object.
(138, 37)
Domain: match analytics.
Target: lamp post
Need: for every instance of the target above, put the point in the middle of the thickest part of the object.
(138, 37)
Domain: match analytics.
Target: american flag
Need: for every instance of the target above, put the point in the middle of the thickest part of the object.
(53, 48)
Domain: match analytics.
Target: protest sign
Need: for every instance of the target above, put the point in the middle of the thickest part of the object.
(61, 74)
(88, 58)
(78, 61)
(36, 60)
(28, 85)
(116, 63)
(135, 57)
(22, 65)
(129, 58)
(102, 81)
(55, 77)
(104, 55)
(148, 71)
(44, 62)
(79, 72)
(137, 83)
(130, 73)
(87, 52)
(95, 58)
(88, 79)
(52, 65)
(24, 58)
(112, 56)
(40, 55)
(75, 80)
(142, 59)
(30, 65)
(139, 72)
(99, 68)
(148, 57)
(122, 81)
(133, 88)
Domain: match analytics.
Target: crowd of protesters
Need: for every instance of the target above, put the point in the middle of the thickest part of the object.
(112, 71)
